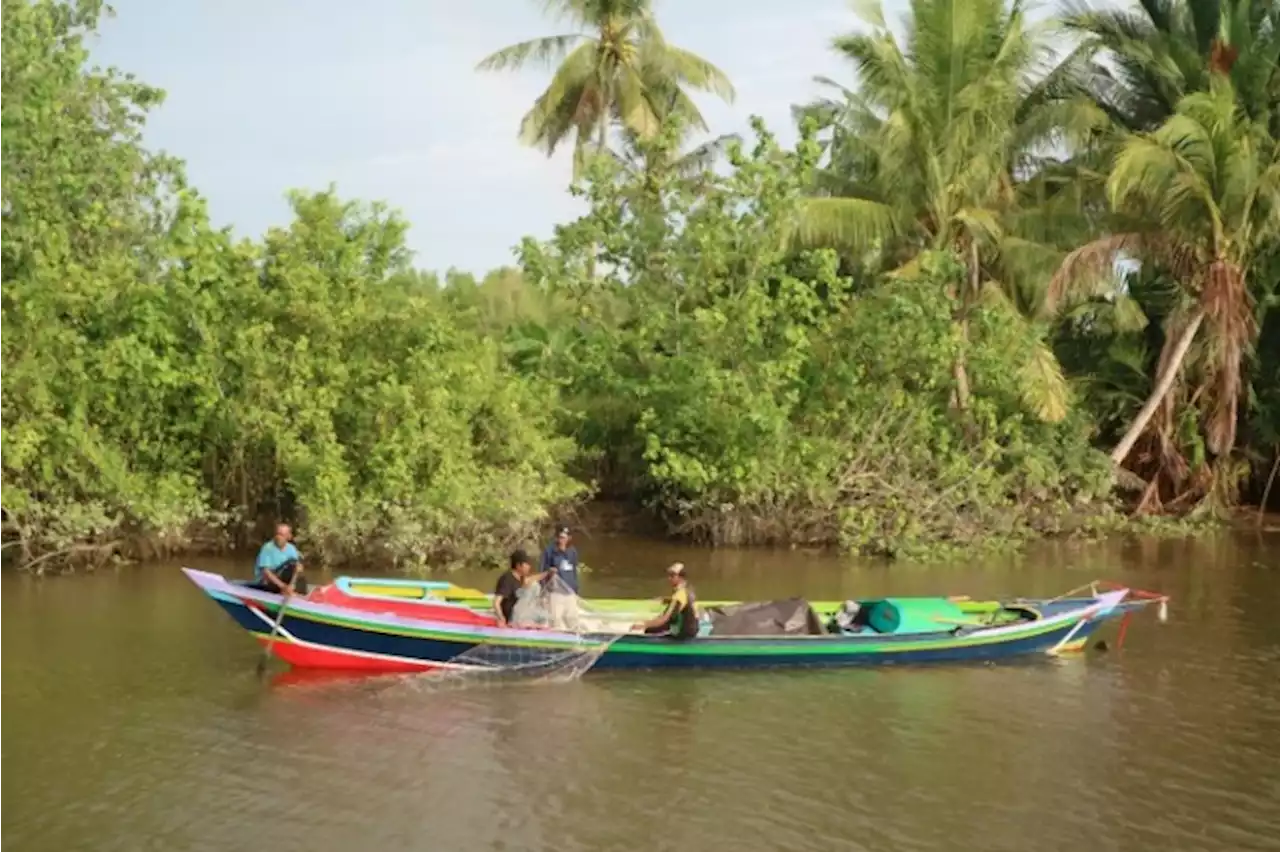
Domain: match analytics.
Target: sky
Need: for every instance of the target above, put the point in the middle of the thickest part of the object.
(382, 100)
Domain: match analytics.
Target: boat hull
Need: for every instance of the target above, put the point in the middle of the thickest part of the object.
(320, 635)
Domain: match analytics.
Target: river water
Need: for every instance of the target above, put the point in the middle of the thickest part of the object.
(133, 720)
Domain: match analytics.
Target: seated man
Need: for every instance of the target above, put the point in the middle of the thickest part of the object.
(278, 563)
(680, 616)
(846, 618)
(507, 591)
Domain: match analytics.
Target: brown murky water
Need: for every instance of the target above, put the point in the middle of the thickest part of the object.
(133, 720)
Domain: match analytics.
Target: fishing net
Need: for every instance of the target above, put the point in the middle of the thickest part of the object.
(576, 636)
(552, 605)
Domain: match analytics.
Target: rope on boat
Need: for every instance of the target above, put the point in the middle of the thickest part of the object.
(1135, 595)
(1091, 588)
(1162, 613)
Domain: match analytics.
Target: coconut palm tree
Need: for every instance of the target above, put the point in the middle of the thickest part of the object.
(937, 146)
(1154, 52)
(616, 67)
(1203, 194)
(1147, 57)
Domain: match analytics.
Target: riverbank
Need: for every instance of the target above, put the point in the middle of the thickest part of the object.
(606, 520)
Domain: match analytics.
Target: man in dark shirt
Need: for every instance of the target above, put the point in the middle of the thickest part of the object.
(507, 591)
(560, 560)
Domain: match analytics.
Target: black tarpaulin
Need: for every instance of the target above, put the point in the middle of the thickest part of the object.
(791, 617)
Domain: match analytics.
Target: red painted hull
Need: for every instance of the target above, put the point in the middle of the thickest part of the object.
(409, 608)
(318, 657)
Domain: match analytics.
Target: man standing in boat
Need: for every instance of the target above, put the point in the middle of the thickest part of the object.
(560, 565)
(278, 562)
(560, 560)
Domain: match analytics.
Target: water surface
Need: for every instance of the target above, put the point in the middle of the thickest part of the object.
(133, 720)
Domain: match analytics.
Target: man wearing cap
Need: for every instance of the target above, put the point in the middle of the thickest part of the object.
(560, 565)
(680, 616)
(560, 560)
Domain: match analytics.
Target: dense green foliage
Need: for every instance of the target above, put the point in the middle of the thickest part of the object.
(161, 379)
(906, 332)
(751, 394)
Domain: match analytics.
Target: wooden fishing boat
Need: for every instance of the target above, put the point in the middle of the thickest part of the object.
(318, 634)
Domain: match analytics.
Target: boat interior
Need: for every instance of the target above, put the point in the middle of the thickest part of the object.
(793, 616)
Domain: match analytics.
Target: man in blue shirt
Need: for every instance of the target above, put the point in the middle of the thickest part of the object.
(278, 562)
(560, 559)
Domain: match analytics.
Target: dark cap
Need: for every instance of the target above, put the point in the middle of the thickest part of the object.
(562, 531)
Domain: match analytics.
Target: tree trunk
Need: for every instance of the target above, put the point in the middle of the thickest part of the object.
(958, 370)
(967, 295)
(1266, 492)
(591, 252)
(602, 139)
(1161, 390)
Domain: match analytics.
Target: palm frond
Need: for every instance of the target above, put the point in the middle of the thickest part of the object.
(1041, 382)
(854, 223)
(1086, 265)
(981, 225)
(592, 13)
(544, 51)
(692, 70)
(1127, 314)
(870, 11)
(670, 101)
(634, 110)
(703, 157)
(572, 102)
(1044, 387)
